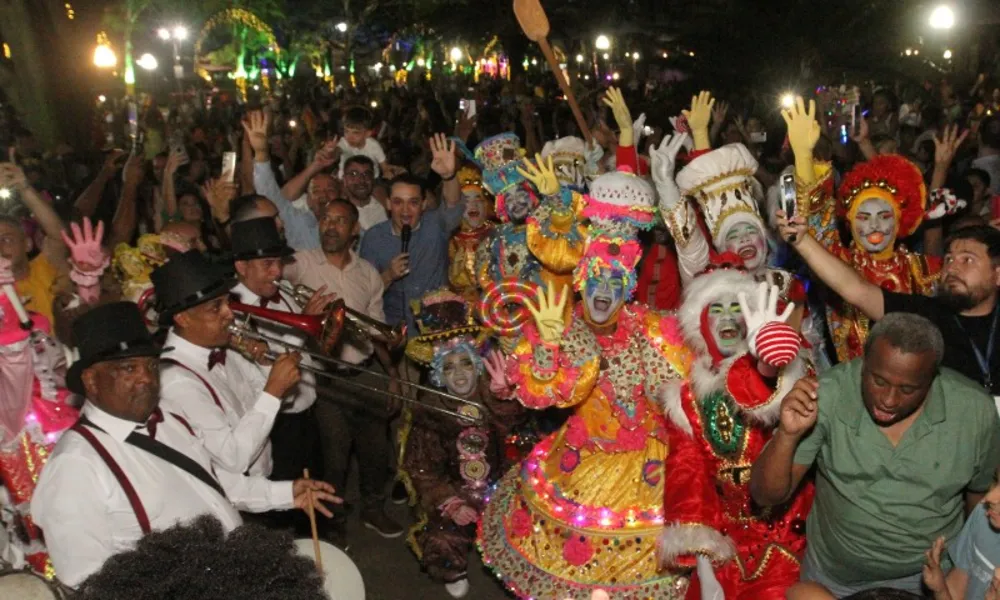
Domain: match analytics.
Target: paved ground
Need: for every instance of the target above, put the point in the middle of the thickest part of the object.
(391, 571)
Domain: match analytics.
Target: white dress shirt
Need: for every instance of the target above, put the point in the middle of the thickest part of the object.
(303, 395)
(235, 435)
(86, 516)
(359, 285)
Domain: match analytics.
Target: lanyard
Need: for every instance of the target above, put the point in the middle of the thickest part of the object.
(984, 361)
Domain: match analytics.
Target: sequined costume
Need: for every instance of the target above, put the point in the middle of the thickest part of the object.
(718, 426)
(465, 241)
(899, 182)
(583, 510)
(721, 182)
(33, 413)
(449, 458)
(547, 246)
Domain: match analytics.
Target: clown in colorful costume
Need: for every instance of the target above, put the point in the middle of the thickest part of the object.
(718, 425)
(33, 413)
(576, 165)
(584, 509)
(539, 239)
(475, 228)
(451, 461)
(722, 184)
(883, 200)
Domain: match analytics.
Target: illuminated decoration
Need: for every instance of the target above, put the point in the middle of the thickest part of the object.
(456, 54)
(241, 18)
(342, 27)
(943, 17)
(104, 56)
(947, 54)
(420, 62)
(70, 13)
(163, 33)
(602, 42)
(6, 50)
(147, 62)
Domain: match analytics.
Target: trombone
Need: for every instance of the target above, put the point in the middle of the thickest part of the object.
(356, 322)
(242, 330)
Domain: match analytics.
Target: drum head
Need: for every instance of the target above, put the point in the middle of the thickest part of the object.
(26, 585)
(343, 579)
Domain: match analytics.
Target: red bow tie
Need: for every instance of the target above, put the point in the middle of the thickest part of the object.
(152, 421)
(216, 357)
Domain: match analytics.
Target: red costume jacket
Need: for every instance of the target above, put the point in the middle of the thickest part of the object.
(714, 440)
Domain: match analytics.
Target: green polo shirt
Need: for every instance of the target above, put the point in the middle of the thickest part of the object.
(878, 508)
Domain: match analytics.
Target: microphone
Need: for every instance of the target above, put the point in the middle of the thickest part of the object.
(404, 235)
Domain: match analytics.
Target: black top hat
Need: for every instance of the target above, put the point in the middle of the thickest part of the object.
(109, 332)
(258, 238)
(187, 280)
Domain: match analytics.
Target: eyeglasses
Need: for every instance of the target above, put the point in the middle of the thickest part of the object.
(360, 174)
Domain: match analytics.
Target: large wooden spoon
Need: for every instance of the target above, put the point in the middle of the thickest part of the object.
(535, 24)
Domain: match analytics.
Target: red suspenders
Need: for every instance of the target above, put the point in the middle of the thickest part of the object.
(211, 390)
(130, 493)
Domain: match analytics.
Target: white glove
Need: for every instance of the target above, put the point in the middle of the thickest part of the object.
(711, 589)
(943, 202)
(663, 162)
(765, 311)
(637, 127)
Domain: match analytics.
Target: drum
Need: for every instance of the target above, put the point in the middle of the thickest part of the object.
(343, 579)
(25, 584)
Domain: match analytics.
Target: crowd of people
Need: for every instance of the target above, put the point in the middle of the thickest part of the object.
(670, 356)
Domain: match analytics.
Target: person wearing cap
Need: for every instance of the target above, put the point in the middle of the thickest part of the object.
(259, 252)
(130, 466)
(223, 395)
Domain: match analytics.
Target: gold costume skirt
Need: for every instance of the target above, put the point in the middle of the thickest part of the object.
(567, 521)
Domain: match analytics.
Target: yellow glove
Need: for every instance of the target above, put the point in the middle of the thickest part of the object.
(698, 118)
(542, 174)
(548, 314)
(614, 100)
(803, 133)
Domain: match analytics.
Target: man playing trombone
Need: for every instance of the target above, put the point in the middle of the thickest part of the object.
(223, 395)
(259, 250)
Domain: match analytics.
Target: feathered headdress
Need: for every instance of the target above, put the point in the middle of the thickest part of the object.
(891, 178)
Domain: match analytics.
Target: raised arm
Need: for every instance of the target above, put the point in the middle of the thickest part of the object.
(87, 202)
(803, 133)
(326, 157)
(126, 215)
(835, 273)
(12, 177)
(698, 117)
(775, 476)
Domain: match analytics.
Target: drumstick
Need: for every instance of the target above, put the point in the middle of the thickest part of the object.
(312, 525)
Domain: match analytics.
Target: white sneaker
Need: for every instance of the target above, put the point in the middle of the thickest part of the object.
(458, 589)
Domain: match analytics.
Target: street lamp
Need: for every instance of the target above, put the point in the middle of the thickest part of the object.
(606, 56)
(579, 58)
(602, 42)
(104, 57)
(180, 32)
(942, 17)
(163, 33)
(947, 54)
(421, 62)
(342, 27)
(456, 54)
(635, 56)
(148, 62)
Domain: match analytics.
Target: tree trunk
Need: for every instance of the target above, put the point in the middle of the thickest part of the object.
(46, 79)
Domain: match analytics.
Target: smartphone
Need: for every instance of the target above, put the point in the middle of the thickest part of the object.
(647, 131)
(229, 166)
(758, 137)
(788, 195)
(133, 123)
(463, 105)
(470, 110)
(855, 119)
(844, 138)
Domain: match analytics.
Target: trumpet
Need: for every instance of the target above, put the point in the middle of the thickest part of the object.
(360, 325)
(241, 330)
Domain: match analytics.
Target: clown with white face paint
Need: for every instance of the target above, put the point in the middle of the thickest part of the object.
(475, 228)
(883, 200)
(746, 359)
(449, 462)
(599, 479)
